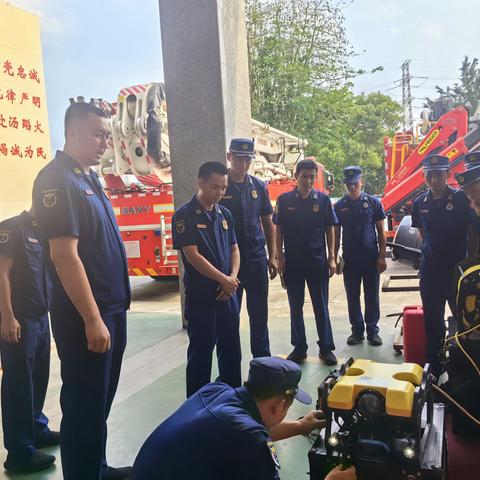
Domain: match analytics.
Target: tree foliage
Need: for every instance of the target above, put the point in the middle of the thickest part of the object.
(465, 92)
(300, 82)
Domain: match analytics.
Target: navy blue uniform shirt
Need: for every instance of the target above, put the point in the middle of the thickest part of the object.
(29, 280)
(248, 202)
(444, 223)
(214, 235)
(359, 234)
(304, 222)
(69, 203)
(217, 434)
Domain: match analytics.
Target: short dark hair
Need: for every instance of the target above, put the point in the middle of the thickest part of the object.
(208, 168)
(80, 110)
(260, 393)
(306, 164)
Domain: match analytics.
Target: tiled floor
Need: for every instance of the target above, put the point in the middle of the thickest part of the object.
(153, 377)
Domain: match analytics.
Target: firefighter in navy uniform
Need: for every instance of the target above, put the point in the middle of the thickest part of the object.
(360, 217)
(227, 433)
(24, 345)
(203, 230)
(304, 219)
(247, 198)
(90, 292)
(447, 225)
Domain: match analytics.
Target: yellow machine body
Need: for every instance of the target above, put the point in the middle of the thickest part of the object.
(396, 383)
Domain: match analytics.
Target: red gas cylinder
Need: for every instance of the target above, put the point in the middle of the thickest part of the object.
(414, 336)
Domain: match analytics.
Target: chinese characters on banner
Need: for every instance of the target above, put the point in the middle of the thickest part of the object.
(15, 117)
(24, 131)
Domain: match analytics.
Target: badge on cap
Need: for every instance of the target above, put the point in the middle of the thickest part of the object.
(180, 226)
(245, 146)
(434, 160)
(273, 453)
(254, 194)
(365, 205)
(49, 198)
(225, 224)
(449, 206)
(4, 237)
(316, 208)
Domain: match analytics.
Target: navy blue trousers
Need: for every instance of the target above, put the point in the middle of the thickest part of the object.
(253, 278)
(89, 384)
(436, 291)
(317, 282)
(26, 367)
(353, 276)
(212, 324)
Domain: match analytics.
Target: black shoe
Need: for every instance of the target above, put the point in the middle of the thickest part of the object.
(329, 358)
(120, 473)
(297, 357)
(375, 340)
(48, 439)
(33, 462)
(354, 340)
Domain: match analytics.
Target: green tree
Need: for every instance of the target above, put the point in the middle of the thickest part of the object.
(295, 48)
(465, 92)
(300, 82)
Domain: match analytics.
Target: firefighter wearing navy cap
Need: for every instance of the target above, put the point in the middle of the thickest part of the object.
(203, 230)
(446, 224)
(24, 345)
(361, 226)
(247, 198)
(90, 291)
(227, 433)
(472, 160)
(305, 219)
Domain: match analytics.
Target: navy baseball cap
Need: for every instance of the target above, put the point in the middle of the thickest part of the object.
(242, 147)
(352, 174)
(277, 376)
(469, 176)
(472, 159)
(435, 162)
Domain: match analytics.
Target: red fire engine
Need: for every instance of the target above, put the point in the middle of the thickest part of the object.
(450, 135)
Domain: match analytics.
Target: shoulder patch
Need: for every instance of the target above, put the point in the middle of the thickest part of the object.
(273, 454)
(180, 226)
(4, 236)
(49, 197)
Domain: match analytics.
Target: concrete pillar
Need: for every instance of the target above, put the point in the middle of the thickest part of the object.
(205, 62)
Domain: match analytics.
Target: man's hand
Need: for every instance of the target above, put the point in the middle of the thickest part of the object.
(229, 284)
(339, 474)
(281, 264)
(272, 268)
(381, 264)
(315, 419)
(98, 336)
(332, 266)
(10, 330)
(223, 295)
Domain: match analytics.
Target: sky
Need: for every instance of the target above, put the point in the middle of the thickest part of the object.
(95, 48)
